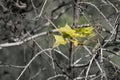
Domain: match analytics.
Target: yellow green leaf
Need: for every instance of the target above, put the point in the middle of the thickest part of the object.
(59, 40)
(85, 31)
(82, 35)
(69, 31)
(76, 36)
(92, 34)
(66, 29)
(75, 42)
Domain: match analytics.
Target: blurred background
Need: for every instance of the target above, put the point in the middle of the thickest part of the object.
(18, 17)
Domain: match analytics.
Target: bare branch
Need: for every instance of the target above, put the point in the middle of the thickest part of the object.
(29, 63)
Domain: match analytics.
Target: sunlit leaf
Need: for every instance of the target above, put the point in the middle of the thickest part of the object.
(59, 40)
(77, 36)
(69, 31)
(75, 42)
(85, 32)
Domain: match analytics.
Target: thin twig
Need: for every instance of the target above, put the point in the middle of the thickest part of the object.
(35, 75)
(99, 12)
(58, 75)
(39, 45)
(3, 45)
(34, 8)
(14, 66)
(91, 61)
(53, 64)
(37, 17)
(113, 6)
(61, 54)
(29, 63)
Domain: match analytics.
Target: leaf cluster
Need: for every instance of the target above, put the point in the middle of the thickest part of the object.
(73, 35)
